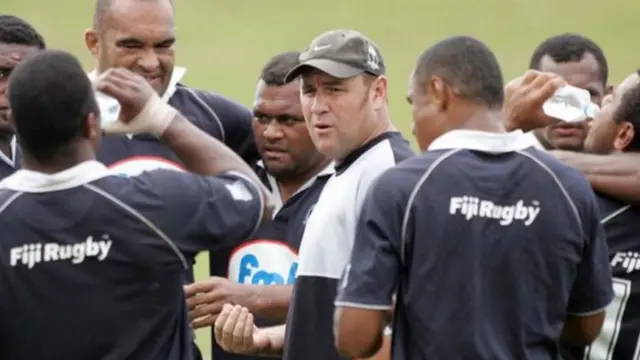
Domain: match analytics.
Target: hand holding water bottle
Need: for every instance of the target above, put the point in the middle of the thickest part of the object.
(525, 97)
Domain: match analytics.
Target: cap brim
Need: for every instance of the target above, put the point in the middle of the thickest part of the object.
(333, 68)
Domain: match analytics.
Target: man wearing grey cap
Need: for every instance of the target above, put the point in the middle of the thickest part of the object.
(344, 102)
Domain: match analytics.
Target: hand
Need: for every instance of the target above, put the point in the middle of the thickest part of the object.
(524, 98)
(235, 332)
(131, 90)
(205, 299)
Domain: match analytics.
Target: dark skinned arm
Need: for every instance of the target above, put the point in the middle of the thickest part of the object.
(616, 175)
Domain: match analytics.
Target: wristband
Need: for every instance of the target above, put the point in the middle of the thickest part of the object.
(155, 117)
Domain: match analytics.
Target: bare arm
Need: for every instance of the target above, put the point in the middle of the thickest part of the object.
(616, 175)
(275, 334)
(582, 330)
(272, 301)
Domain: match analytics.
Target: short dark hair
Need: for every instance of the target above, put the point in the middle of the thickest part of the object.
(276, 69)
(629, 110)
(570, 48)
(466, 64)
(14, 30)
(102, 7)
(50, 97)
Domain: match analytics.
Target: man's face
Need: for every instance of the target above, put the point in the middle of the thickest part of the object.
(10, 56)
(139, 36)
(608, 134)
(339, 112)
(583, 74)
(429, 122)
(281, 134)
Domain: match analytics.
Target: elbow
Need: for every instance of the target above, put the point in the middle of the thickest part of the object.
(356, 348)
(363, 343)
(582, 331)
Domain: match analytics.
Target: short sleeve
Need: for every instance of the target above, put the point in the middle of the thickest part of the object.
(592, 289)
(202, 212)
(237, 122)
(369, 280)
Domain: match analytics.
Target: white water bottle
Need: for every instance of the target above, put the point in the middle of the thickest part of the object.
(109, 109)
(570, 104)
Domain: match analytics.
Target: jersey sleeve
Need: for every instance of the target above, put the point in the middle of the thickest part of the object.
(592, 289)
(237, 122)
(202, 212)
(369, 280)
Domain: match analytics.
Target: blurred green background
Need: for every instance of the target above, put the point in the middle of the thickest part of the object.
(224, 43)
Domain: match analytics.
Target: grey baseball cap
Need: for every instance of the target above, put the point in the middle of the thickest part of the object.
(342, 54)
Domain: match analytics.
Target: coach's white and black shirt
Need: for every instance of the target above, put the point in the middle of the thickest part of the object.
(92, 264)
(326, 246)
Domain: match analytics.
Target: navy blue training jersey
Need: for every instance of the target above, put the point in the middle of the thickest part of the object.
(490, 245)
(326, 246)
(270, 256)
(619, 338)
(92, 265)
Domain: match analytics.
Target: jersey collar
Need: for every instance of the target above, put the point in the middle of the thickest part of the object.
(482, 141)
(35, 182)
(275, 189)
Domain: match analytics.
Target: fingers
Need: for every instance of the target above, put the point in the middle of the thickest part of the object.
(234, 329)
(239, 341)
(205, 310)
(247, 333)
(220, 323)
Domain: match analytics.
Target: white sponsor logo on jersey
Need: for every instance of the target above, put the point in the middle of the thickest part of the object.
(136, 165)
(264, 262)
(31, 254)
(470, 207)
(629, 261)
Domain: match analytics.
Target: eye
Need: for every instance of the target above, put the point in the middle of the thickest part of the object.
(4, 73)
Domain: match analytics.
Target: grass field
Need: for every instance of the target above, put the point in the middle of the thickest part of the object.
(224, 43)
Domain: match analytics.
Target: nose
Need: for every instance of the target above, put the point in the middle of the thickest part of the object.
(318, 103)
(273, 131)
(149, 61)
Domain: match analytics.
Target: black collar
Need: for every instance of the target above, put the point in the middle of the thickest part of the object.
(355, 154)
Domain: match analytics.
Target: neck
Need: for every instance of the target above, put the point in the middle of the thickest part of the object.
(63, 159)
(289, 185)
(382, 126)
(481, 119)
(5, 143)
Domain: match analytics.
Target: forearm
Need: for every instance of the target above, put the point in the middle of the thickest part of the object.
(271, 301)
(276, 341)
(201, 153)
(616, 175)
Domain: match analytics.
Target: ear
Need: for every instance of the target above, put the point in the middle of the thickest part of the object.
(438, 93)
(624, 136)
(92, 129)
(380, 92)
(92, 42)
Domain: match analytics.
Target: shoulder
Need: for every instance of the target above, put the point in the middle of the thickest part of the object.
(400, 147)
(569, 178)
(224, 107)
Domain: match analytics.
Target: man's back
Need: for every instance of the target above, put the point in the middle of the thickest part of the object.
(497, 249)
(101, 278)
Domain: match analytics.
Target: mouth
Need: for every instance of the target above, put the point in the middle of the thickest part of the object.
(273, 152)
(567, 130)
(154, 80)
(4, 114)
(322, 127)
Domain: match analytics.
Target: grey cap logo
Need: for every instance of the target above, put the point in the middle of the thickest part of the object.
(373, 60)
